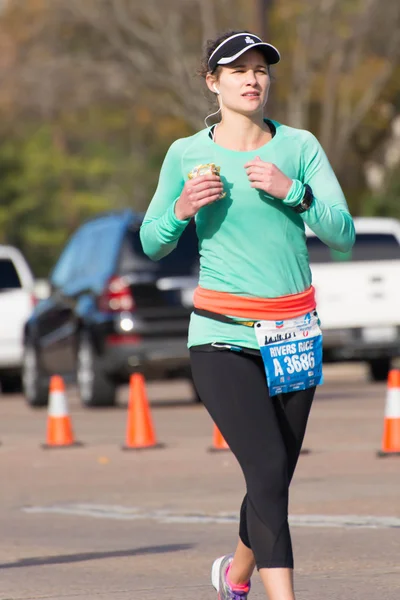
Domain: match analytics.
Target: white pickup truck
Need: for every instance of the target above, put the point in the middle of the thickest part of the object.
(16, 303)
(358, 295)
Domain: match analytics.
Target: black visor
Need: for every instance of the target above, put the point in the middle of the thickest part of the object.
(234, 46)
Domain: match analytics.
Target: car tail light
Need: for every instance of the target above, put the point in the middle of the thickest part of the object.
(34, 300)
(117, 296)
(119, 340)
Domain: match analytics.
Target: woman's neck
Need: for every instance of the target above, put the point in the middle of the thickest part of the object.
(241, 133)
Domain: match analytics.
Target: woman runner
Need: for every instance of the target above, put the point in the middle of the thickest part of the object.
(254, 334)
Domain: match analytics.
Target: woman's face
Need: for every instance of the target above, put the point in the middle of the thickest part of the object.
(244, 84)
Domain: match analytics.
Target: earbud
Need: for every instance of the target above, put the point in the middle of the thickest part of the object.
(215, 88)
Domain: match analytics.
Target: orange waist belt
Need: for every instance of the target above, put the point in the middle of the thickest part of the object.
(268, 309)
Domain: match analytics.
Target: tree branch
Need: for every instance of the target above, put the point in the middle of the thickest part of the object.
(372, 93)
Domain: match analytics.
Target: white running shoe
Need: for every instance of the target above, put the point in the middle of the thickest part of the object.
(218, 579)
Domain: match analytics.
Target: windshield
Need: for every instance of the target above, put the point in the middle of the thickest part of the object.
(368, 246)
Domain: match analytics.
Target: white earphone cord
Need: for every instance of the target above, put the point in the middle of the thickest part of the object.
(212, 114)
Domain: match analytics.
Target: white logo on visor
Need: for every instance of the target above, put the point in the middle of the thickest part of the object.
(249, 40)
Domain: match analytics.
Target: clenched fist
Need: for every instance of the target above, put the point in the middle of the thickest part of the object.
(196, 193)
(267, 177)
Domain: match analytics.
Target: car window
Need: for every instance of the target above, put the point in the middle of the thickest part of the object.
(89, 249)
(184, 260)
(8, 275)
(68, 263)
(100, 249)
(89, 256)
(368, 246)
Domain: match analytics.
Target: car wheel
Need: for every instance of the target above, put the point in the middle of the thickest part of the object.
(34, 383)
(379, 369)
(95, 388)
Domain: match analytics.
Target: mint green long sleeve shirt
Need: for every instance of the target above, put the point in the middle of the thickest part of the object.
(250, 243)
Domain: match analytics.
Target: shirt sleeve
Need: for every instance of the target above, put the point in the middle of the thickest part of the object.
(161, 230)
(329, 217)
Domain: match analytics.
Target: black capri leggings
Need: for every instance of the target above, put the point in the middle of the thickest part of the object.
(265, 434)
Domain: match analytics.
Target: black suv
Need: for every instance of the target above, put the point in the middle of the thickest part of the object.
(111, 312)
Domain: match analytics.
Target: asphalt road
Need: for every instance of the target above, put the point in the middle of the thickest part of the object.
(96, 522)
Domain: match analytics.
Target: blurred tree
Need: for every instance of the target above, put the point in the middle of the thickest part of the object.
(340, 60)
(92, 93)
(385, 203)
(11, 170)
(61, 173)
(344, 58)
(38, 208)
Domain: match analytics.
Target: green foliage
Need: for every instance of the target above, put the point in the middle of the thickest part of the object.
(57, 175)
(47, 192)
(93, 138)
(385, 203)
(10, 172)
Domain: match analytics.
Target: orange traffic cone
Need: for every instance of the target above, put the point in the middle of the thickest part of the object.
(391, 427)
(59, 427)
(139, 430)
(219, 442)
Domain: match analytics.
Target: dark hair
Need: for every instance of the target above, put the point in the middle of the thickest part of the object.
(212, 45)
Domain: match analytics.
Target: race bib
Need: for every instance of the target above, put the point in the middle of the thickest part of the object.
(292, 353)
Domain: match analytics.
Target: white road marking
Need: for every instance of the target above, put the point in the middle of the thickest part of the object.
(126, 513)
